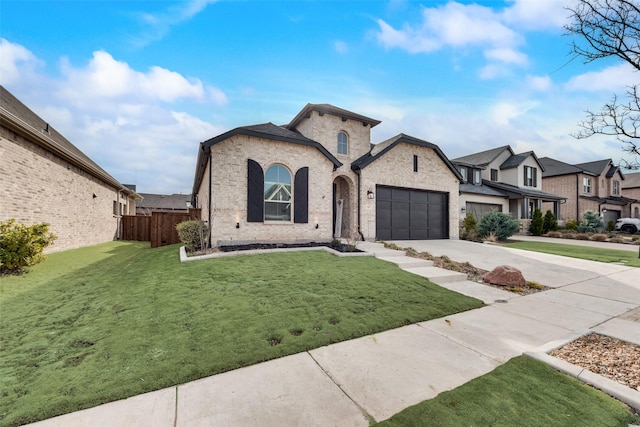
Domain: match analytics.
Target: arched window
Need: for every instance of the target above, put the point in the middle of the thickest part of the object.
(343, 143)
(277, 194)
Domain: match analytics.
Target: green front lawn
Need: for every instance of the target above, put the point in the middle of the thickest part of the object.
(627, 258)
(107, 322)
(523, 392)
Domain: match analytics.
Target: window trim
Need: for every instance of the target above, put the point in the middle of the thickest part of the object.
(477, 176)
(344, 144)
(463, 172)
(616, 188)
(290, 191)
(586, 184)
(494, 175)
(530, 181)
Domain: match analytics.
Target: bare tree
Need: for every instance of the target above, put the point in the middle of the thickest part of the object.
(605, 29)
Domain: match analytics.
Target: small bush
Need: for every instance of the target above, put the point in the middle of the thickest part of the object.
(470, 223)
(591, 223)
(570, 235)
(582, 236)
(22, 246)
(634, 238)
(611, 225)
(616, 239)
(599, 237)
(550, 223)
(536, 227)
(498, 223)
(554, 234)
(571, 224)
(193, 234)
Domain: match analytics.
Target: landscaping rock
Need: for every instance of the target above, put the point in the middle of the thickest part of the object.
(505, 275)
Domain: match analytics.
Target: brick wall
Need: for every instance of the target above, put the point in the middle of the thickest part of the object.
(395, 168)
(37, 186)
(229, 191)
(565, 186)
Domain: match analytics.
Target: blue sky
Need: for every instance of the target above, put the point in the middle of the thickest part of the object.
(137, 85)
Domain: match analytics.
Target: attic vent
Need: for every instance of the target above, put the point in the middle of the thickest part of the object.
(46, 128)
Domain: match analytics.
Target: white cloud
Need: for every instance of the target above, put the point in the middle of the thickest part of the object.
(507, 56)
(15, 61)
(539, 83)
(537, 14)
(341, 47)
(105, 77)
(503, 113)
(157, 26)
(608, 79)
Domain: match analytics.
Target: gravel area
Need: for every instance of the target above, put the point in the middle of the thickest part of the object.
(606, 356)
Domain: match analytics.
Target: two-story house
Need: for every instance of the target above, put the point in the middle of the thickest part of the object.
(631, 190)
(319, 177)
(499, 179)
(594, 186)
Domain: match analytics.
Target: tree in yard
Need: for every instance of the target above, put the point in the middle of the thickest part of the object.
(22, 246)
(611, 29)
(550, 223)
(537, 223)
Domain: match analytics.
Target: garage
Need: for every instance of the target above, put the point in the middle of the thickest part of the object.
(410, 214)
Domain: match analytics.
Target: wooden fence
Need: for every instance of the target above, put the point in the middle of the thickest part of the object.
(159, 228)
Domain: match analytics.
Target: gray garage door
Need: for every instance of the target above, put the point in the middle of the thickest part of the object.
(407, 214)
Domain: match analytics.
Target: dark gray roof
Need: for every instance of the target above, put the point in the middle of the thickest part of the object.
(330, 109)
(596, 167)
(162, 201)
(514, 191)
(483, 158)
(553, 167)
(369, 158)
(265, 131)
(515, 160)
(482, 189)
(15, 113)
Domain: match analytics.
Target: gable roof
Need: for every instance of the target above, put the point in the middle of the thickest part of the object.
(483, 158)
(20, 118)
(265, 131)
(305, 113)
(595, 167)
(517, 159)
(162, 201)
(553, 167)
(374, 154)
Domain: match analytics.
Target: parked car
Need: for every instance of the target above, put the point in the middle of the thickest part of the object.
(628, 225)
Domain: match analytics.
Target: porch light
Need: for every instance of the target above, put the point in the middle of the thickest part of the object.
(370, 194)
(237, 225)
(463, 209)
(317, 226)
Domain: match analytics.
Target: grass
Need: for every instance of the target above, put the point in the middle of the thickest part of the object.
(107, 322)
(627, 258)
(522, 392)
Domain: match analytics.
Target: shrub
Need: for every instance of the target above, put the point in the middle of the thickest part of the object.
(498, 223)
(591, 223)
(469, 228)
(617, 239)
(193, 234)
(571, 224)
(599, 237)
(22, 246)
(570, 235)
(537, 223)
(611, 225)
(554, 234)
(550, 223)
(581, 236)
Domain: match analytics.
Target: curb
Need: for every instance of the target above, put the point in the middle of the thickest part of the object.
(612, 388)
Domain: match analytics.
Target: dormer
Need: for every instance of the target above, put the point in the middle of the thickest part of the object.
(344, 134)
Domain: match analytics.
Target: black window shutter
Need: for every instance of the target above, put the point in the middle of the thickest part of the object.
(255, 192)
(535, 177)
(301, 196)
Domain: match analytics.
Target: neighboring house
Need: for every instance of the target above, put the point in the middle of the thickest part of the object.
(320, 177)
(45, 178)
(631, 190)
(499, 179)
(593, 186)
(163, 203)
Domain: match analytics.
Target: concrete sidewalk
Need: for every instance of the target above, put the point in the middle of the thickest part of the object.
(374, 377)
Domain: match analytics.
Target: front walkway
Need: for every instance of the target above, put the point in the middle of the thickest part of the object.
(376, 376)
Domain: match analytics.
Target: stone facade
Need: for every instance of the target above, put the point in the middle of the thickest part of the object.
(311, 141)
(37, 185)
